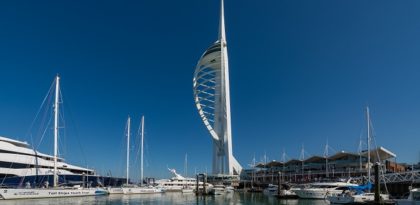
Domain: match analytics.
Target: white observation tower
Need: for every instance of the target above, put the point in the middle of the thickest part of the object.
(212, 98)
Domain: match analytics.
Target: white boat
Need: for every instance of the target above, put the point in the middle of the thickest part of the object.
(131, 188)
(55, 190)
(229, 189)
(286, 191)
(19, 161)
(218, 190)
(413, 198)
(142, 190)
(115, 190)
(359, 194)
(187, 190)
(355, 195)
(49, 193)
(349, 197)
(177, 183)
(322, 189)
(271, 190)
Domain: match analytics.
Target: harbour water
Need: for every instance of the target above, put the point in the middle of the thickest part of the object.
(167, 199)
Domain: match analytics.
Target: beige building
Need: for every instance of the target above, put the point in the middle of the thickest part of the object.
(342, 165)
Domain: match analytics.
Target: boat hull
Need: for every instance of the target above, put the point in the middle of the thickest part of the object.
(216, 191)
(69, 179)
(115, 190)
(142, 190)
(48, 193)
(355, 199)
(287, 194)
(315, 193)
(187, 191)
(338, 199)
(173, 189)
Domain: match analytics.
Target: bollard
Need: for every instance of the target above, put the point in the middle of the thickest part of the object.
(377, 183)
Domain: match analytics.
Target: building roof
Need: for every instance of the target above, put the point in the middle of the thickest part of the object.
(315, 159)
(274, 163)
(380, 152)
(260, 165)
(383, 154)
(338, 155)
(292, 161)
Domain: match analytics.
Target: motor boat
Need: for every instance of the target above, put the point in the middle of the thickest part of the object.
(321, 190)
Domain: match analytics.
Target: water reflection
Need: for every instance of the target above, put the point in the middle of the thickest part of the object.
(303, 202)
(168, 199)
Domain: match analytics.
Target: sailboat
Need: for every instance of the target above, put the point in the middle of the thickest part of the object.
(187, 188)
(134, 189)
(54, 191)
(120, 190)
(359, 194)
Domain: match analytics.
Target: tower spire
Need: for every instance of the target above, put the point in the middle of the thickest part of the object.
(213, 103)
(222, 32)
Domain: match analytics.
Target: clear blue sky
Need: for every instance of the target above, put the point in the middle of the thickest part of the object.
(301, 73)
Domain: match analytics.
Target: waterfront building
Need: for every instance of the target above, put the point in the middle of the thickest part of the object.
(212, 99)
(341, 165)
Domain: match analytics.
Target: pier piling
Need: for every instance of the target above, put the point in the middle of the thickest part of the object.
(377, 183)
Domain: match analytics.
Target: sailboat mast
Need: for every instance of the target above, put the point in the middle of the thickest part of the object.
(326, 160)
(302, 155)
(128, 147)
(283, 159)
(142, 154)
(368, 140)
(57, 90)
(360, 153)
(186, 165)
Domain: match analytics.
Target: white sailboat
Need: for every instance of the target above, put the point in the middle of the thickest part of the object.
(120, 190)
(134, 189)
(358, 195)
(187, 188)
(54, 191)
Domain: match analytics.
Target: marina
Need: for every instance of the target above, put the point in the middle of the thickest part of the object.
(267, 111)
(170, 198)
